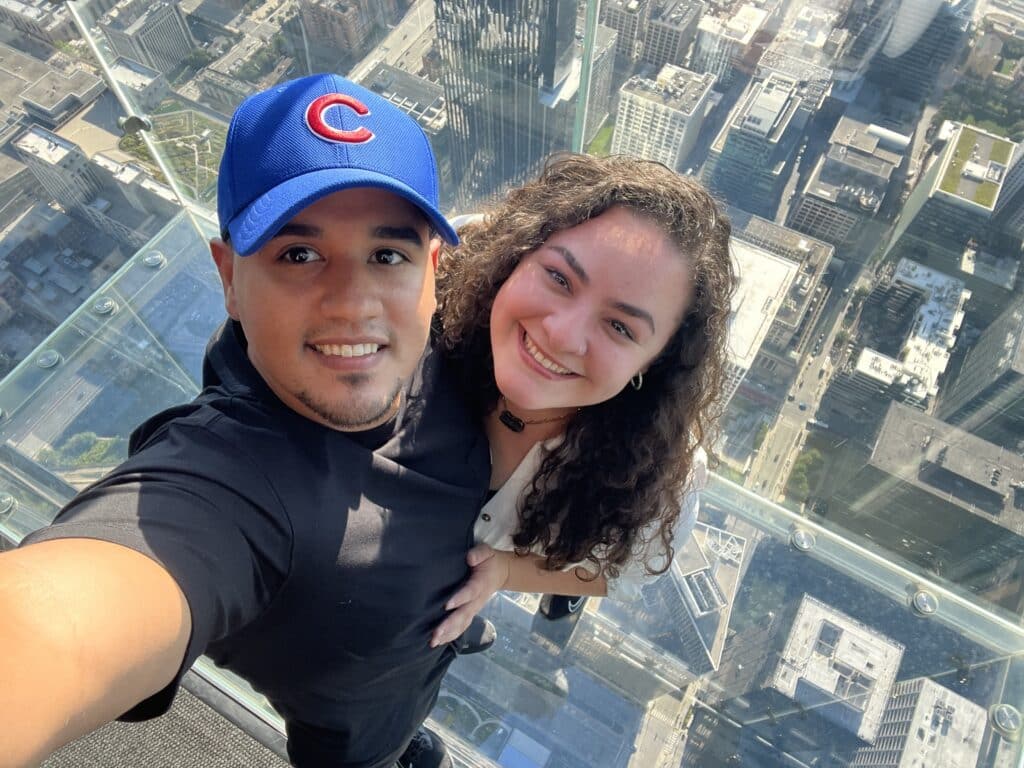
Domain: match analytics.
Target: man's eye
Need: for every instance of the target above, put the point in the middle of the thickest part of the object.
(388, 257)
(300, 254)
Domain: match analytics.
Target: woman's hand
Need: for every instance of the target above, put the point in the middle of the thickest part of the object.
(490, 573)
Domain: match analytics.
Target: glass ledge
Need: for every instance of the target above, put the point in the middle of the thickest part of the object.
(771, 641)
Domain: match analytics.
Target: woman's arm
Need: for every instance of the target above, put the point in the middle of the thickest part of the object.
(494, 570)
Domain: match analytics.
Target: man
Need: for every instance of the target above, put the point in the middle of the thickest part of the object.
(304, 519)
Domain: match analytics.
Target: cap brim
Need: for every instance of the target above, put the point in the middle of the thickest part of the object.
(263, 218)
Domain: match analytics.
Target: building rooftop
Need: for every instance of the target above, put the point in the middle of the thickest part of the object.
(763, 286)
(53, 89)
(740, 28)
(677, 13)
(675, 87)
(974, 167)
(41, 12)
(17, 72)
(415, 95)
(624, 6)
(132, 74)
(980, 477)
(814, 81)
(811, 255)
(945, 728)
(766, 110)
(840, 667)
(44, 145)
(926, 352)
(856, 170)
(998, 270)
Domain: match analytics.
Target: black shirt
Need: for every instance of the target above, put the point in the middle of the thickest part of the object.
(314, 567)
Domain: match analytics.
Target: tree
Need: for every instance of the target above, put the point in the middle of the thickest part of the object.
(762, 433)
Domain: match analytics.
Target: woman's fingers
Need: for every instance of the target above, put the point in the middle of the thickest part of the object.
(479, 554)
(454, 625)
(466, 593)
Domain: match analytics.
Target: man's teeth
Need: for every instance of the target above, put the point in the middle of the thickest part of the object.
(536, 354)
(346, 350)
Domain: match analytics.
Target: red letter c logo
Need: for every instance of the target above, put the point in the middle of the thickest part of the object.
(316, 123)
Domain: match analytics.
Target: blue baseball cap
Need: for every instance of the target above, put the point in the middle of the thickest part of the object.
(299, 141)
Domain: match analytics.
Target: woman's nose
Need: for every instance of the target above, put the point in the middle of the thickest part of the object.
(567, 333)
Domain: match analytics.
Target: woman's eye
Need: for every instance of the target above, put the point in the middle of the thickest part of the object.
(622, 329)
(558, 277)
(388, 257)
(300, 254)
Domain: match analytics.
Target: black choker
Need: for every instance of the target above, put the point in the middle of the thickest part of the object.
(517, 424)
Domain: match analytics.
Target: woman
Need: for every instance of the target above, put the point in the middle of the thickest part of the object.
(588, 316)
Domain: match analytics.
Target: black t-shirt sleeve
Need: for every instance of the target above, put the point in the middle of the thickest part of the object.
(197, 505)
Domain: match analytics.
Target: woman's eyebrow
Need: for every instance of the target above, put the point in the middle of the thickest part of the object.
(636, 312)
(622, 306)
(574, 265)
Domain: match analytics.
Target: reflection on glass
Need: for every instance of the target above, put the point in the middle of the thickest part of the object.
(868, 151)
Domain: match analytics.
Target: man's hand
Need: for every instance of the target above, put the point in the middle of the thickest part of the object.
(490, 573)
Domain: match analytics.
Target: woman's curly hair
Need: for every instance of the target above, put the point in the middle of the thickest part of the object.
(624, 463)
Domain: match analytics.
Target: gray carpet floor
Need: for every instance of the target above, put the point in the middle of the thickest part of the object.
(191, 735)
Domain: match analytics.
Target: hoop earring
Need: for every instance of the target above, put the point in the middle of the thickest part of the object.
(638, 380)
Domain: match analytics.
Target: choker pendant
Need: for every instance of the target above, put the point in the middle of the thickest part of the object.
(511, 421)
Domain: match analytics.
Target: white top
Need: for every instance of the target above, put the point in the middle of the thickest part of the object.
(499, 519)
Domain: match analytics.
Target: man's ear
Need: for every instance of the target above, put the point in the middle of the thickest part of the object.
(435, 251)
(224, 258)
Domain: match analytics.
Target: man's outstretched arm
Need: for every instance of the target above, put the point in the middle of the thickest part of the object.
(87, 630)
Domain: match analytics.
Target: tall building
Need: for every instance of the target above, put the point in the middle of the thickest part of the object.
(1008, 215)
(986, 398)
(511, 79)
(60, 166)
(794, 319)
(685, 614)
(850, 180)
(151, 33)
(925, 724)
(954, 200)
(659, 119)
(629, 19)
(118, 199)
(814, 81)
(670, 32)
(43, 20)
(916, 51)
(602, 71)
(728, 45)
(424, 101)
(750, 159)
(763, 289)
(909, 324)
(336, 33)
(942, 498)
(839, 667)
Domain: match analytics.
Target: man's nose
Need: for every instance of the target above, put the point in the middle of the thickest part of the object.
(567, 332)
(350, 292)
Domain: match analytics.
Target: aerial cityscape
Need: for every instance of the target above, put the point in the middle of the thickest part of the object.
(868, 153)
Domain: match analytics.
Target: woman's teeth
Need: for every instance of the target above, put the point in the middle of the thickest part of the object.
(537, 355)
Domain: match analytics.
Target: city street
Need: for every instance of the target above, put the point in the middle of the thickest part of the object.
(397, 48)
(770, 467)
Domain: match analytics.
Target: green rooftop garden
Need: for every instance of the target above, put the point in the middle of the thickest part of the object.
(1001, 152)
(602, 143)
(951, 180)
(986, 192)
